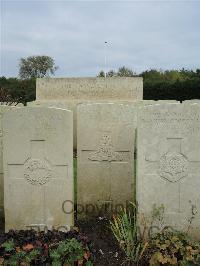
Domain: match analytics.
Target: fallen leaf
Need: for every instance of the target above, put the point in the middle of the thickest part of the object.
(80, 262)
(18, 249)
(87, 255)
(28, 247)
(1, 261)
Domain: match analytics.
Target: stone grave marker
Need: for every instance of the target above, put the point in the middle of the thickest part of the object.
(38, 168)
(106, 136)
(3, 109)
(90, 89)
(168, 145)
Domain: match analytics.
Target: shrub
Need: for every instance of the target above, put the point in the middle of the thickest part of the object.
(173, 248)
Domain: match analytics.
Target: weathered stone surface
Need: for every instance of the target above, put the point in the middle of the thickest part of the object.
(69, 105)
(60, 104)
(192, 101)
(168, 144)
(3, 109)
(96, 89)
(38, 167)
(151, 102)
(106, 135)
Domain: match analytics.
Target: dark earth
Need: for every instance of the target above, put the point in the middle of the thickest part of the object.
(105, 248)
(96, 232)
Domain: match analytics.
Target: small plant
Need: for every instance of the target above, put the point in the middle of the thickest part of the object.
(8, 246)
(30, 248)
(173, 248)
(68, 252)
(17, 256)
(125, 230)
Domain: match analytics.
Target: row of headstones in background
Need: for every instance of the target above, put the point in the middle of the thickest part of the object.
(168, 142)
(38, 167)
(72, 105)
(69, 92)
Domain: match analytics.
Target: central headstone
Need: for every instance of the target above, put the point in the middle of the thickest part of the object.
(38, 172)
(106, 135)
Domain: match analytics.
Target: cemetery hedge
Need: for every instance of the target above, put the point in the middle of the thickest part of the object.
(172, 90)
(177, 85)
(19, 90)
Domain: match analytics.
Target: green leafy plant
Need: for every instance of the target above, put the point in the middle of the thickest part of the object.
(18, 256)
(9, 246)
(68, 252)
(125, 230)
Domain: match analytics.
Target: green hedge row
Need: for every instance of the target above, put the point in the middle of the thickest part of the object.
(18, 90)
(172, 90)
(180, 90)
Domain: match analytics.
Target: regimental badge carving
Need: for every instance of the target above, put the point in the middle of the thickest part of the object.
(173, 166)
(37, 172)
(105, 151)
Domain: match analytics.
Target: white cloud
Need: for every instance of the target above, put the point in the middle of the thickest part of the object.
(140, 35)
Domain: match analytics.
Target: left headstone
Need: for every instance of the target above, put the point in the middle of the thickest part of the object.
(3, 109)
(38, 168)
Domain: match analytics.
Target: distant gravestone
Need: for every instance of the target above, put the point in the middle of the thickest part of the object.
(38, 159)
(168, 144)
(3, 109)
(90, 89)
(106, 135)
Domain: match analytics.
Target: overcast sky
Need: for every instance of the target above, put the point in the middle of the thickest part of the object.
(140, 34)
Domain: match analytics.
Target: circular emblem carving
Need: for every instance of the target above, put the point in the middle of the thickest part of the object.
(37, 172)
(173, 166)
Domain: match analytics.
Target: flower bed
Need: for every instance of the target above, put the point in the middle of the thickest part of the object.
(55, 248)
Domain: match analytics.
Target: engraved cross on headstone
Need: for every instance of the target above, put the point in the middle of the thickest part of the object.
(107, 156)
(173, 164)
(36, 171)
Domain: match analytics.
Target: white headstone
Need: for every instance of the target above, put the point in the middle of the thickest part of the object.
(3, 109)
(38, 167)
(106, 136)
(169, 163)
(69, 105)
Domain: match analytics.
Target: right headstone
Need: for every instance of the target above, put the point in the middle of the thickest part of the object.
(168, 144)
(106, 137)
